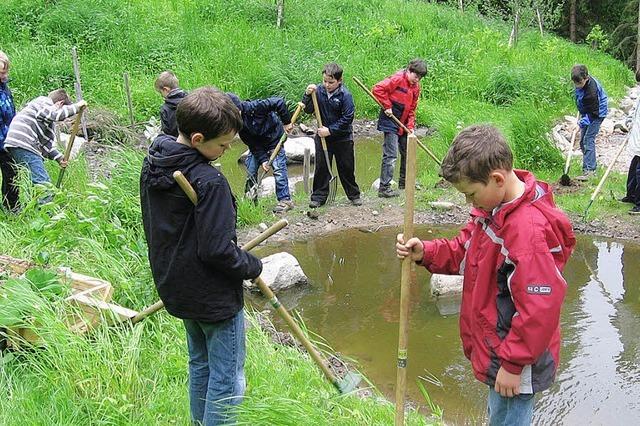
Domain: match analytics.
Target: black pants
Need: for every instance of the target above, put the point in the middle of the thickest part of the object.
(633, 180)
(345, 162)
(9, 189)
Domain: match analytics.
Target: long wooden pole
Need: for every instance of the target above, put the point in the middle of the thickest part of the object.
(397, 121)
(78, 87)
(127, 90)
(405, 282)
(67, 151)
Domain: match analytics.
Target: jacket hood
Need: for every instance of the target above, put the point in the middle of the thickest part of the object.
(166, 156)
(175, 96)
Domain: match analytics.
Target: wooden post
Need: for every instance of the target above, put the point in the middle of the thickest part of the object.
(461, 4)
(306, 167)
(572, 20)
(405, 282)
(539, 15)
(280, 18)
(78, 87)
(127, 90)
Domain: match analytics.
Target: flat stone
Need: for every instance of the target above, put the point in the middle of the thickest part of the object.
(442, 205)
(280, 271)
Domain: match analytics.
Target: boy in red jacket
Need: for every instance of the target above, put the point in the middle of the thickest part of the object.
(511, 253)
(399, 95)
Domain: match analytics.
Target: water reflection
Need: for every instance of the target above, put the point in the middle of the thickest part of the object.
(354, 304)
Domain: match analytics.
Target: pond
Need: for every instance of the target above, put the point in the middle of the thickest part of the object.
(353, 303)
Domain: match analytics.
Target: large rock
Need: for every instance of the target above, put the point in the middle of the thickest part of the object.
(607, 126)
(446, 285)
(376, 184)
(293, 148)
(626, 104)
(268, 185)
(77, 145)
(280, 271)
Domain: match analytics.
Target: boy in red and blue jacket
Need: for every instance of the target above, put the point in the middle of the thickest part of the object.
(511, 253)
(399, 95)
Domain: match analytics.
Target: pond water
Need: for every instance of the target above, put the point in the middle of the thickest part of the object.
(353, 303)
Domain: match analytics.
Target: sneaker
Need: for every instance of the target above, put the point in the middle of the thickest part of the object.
(314, 204)
(283, 206)
(388, 193)
(627, 199)
(586, 175)
(635, 210)
(356, 201)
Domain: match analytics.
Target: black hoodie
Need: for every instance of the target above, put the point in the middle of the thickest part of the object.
(168, 112)
(197, 267)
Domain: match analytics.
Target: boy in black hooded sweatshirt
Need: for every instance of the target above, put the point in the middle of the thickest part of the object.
(167, 85)
(197, 266)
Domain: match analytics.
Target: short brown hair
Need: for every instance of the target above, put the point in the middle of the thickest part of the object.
(418, 66)
(166, 79)
(209, 111)
(475, 153)
(332, 70)
(60, 95)
(4, 60)
(579, 72)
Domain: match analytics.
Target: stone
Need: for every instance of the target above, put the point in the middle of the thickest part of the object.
(280, 271)
(446, 285)
(268, 185)
(607, 126)
(442, 205)
(626, 104)
(376, 184)
(77, 145)
(293, 148)
(262, 227)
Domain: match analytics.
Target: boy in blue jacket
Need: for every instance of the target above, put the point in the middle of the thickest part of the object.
(591, 100)
(264, 121)
(196, 263)
(337, 111)
(7, 112)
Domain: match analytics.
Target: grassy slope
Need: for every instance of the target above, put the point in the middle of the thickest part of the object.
(233, 44)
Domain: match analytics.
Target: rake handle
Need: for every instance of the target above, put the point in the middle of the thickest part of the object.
(398, 122)
(571, 145)
(316, 111)
(72, 139)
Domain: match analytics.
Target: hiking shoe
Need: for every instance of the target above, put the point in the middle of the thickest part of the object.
(314, 204)
(627, 199)
(356, 201)
(635, 210)
(283, 206)
(388, 193)
(586, 175)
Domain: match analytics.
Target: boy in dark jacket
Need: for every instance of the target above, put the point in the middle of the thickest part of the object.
(511, 253)
(264, 121)
(167, 85)
(7, 112)
(197, 266)
(591, 100)
(337, 111)
(399, 95)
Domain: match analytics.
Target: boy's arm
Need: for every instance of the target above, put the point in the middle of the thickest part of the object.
(383, 89)
(444, 256)
(51, 113)
(411, 118)
(308, 103)
(215, 221)
(342, 125)
(538, 290)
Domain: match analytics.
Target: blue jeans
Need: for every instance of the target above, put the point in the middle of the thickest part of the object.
(279, 173)
(588, 144)
(216, 369)
(389, 156)
(35, 164)
(516, 411)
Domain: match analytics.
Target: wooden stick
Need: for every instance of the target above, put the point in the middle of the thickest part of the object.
(405, 282)
(72, 139)
(398, 122)
(306, 167)
(333, 183)
(127, 90)
(78, 87)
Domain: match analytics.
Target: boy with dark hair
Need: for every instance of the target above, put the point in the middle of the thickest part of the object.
(591, 100)
(264, 123)
(167, 85)
(337, 111)
(7, 112)
(197, 266)
(399, 95)
(32, 132)
(511, 253)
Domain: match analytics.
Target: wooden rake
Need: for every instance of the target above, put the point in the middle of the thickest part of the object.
(72, 138)
(351, 380)
(333, 181)
(565, 180)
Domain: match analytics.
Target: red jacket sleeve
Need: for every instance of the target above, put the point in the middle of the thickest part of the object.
(444, 256)
(537, 289)
(411, 118)
(383, 90)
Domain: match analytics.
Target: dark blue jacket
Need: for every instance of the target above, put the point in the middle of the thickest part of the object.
(591, 101)
(168, 112)
(196, 264)
(7, 111)
(337, 113)
(263, 121)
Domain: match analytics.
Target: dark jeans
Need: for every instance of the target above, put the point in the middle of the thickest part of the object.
(35, 164)
(389, 155)
(588, 144)
(216, 369)
(633, 180)
(345, 162)
(9, 189)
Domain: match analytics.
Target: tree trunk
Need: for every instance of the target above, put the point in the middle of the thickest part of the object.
(572, 20)
(280, 6)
